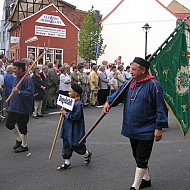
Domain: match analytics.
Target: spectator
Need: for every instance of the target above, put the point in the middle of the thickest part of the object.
(127, 73)
(2, 90)
(103, 86)
(121, 76)
(39, 92)
(44, 77)
(65, 82)
(75, 76)
(114, 83)
(93, 79)
(53, 82)
(9, 79)
(84, 83)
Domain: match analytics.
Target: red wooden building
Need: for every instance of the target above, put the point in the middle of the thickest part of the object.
(47, 27)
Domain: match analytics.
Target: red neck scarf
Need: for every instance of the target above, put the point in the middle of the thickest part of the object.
(148, 77)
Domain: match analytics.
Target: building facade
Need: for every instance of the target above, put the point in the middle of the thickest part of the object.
(31, 25)
(47, 28)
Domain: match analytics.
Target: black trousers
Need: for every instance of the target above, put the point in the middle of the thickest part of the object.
(102, 95)
(141, 151)
(67, 149)
(20, 119)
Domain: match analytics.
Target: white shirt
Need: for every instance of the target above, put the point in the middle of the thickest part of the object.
(62, 85)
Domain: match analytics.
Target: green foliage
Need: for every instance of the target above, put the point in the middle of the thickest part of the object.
(88, 37)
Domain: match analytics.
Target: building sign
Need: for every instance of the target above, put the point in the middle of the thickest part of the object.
(50, 19)
(15, 40)
(48, 31)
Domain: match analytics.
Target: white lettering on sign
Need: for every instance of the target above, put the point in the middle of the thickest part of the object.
(48, 31)
(50, 19)
(65, 101)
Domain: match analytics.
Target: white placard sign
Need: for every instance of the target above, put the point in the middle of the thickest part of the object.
(65, 101)
(48, 31)
(15, 40)
(50, 19)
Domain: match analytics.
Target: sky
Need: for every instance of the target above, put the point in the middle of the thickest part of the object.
(104, 6)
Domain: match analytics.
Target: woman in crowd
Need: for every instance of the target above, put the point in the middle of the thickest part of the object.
(39, 92)
(65, 82)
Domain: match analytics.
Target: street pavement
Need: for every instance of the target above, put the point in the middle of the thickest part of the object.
(112, 166)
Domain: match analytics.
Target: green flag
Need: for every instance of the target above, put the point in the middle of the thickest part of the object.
(170, 66)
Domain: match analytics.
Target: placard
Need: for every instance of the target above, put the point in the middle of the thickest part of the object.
(65, 101)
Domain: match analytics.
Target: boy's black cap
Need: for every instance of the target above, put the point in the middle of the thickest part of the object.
(77, 88)
(142, 62)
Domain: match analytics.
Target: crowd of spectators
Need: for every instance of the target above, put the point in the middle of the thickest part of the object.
(52, 79)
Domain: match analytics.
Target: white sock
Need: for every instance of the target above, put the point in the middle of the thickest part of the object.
(86, 154)
(24, 140)
(17, 134)
(138, 177)
(67, 161)
(146, 175)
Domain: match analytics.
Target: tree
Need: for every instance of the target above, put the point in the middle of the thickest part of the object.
(88, 37)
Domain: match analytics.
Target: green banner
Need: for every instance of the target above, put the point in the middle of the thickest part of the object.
(170, 66)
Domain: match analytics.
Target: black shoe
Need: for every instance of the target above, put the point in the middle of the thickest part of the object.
(132, 188)
(21, 149)
(144, 184)
(64, 167)
(87, 159)
(18, 143)
(35, 117)
(44, 112)
(40, 116)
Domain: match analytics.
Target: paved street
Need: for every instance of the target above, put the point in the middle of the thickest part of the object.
(112, 166)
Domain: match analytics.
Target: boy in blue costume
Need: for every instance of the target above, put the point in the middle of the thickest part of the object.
(144, 116)
(73, 129)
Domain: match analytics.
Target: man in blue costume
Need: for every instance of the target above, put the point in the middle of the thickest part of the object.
(144, 116)
(20, 106)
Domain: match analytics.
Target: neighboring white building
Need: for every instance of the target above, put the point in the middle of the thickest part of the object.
(123, 33)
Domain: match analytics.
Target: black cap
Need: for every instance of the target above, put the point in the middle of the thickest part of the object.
(77, 88)
(142, 62)
(20, 64)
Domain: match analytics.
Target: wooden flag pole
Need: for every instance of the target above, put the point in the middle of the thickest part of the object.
(103, 114)
(56, 134)
(37, 59)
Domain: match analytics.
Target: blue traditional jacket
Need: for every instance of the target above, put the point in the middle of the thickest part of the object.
(144, 109)
(22, 103)
(73, 126)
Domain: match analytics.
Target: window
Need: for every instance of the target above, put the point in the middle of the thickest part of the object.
(59, 55)
(41, 61)
(50, 55)
(31, 50)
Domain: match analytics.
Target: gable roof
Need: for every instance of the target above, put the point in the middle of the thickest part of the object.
(176, 7)
(180, 15)
(25, 8)
(180, 11)
(112, 11)
(56, 10)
